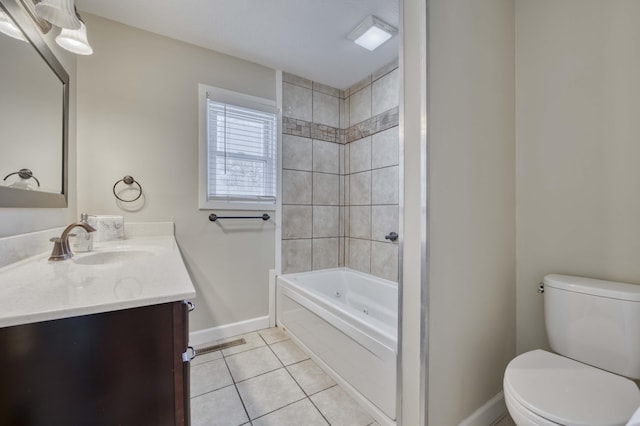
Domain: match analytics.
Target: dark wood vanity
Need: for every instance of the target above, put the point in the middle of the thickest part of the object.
(114, 368)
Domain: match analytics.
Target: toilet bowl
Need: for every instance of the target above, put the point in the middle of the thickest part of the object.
(546, 389)
(594, 332)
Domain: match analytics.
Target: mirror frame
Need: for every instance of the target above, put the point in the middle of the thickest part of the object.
(13, 197)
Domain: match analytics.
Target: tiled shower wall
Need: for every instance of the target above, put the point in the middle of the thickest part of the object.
(340, 174)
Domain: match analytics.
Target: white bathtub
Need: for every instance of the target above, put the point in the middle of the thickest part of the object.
(347, 322)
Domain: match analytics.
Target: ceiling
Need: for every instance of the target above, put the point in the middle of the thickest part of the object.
(302, 37)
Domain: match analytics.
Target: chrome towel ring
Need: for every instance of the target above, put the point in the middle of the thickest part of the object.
(128, 180)
(24, 174)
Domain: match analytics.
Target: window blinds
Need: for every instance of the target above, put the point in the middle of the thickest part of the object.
(241, 153)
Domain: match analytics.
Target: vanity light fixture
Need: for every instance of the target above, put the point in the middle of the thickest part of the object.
(73, 31)
(60, 13)
(9, 28)
(371, 33)
(75, 40)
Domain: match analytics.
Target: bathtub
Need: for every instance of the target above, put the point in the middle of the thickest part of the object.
(347, 322)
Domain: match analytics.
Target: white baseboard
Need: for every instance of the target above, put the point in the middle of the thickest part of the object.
(486, 415)
(209, 335)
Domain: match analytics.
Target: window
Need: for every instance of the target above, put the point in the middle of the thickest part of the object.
(238, 150)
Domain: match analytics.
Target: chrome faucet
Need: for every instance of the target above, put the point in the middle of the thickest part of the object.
(61, 249)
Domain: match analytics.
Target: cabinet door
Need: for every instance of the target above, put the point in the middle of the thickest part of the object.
(114, 368)
(181, 363)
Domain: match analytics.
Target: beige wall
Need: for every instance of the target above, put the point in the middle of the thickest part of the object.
(471, 174)
(138, 115)
(20, 221)
(578, 103)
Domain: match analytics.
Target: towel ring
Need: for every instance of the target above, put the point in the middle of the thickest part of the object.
(128, 180)
(24, 174)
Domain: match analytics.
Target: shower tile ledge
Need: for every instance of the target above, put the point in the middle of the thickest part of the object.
(35, 289)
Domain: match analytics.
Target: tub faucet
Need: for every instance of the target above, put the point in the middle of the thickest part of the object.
(61, 249)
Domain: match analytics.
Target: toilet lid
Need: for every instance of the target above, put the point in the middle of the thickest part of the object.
(569, 392)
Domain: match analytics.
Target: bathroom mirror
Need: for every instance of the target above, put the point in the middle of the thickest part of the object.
(34, 104)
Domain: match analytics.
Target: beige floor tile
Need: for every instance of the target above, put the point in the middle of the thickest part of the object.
(310, 377)
(252, 363)
(299, 413)
(340, 409)
(219, 408)
(268, 392)
(209, 376)
(273, 335)
(201, 359)
(288, 352)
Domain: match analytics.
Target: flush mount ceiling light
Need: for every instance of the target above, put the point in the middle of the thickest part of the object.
(371, 33)
(9, 28)
(60, 13)
(75, 40)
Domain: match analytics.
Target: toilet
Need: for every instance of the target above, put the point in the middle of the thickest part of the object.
(594, 332)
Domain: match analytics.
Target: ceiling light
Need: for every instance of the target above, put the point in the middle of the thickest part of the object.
(60, 13)
(8, 27)
(75, 40)
(371, 33)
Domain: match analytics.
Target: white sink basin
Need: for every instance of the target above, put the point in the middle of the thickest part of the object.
(113, 256)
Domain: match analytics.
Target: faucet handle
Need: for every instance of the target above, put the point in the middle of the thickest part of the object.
(59, 252)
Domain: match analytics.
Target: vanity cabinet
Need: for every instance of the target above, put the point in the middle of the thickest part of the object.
(114, 368)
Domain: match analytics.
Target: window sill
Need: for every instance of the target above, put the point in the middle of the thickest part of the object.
(237, 205)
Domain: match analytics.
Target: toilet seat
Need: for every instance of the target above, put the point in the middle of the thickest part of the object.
(562, 391)
(522, 416)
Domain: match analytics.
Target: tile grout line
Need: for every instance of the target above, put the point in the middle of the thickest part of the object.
(300, 387)
(236, 388)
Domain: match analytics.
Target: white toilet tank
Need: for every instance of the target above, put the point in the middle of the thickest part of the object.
(594, 321)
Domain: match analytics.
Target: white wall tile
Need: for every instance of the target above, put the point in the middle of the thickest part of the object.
(296, 102)
(296, 153)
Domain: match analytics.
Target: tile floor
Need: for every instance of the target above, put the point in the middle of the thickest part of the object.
(268, 381)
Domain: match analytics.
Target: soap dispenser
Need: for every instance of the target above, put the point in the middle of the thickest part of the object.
(83, 240)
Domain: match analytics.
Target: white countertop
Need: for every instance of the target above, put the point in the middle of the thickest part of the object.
(35, 289)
